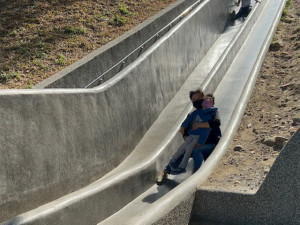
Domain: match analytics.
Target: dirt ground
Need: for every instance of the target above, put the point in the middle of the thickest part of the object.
(39, 38)
(272, 114)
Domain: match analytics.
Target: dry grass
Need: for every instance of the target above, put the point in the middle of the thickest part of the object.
(40, 37)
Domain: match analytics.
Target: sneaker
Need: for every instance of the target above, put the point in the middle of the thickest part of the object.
(162, 177)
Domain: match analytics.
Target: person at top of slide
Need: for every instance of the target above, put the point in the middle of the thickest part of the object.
(245, 8)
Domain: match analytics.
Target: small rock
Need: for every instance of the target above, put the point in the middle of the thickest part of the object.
(264, 76)
(275, 46)
(287, 20)
(238, 148)
(249, 125)
(280, 140)
(286, 86)
(269, 141)
(296, 121)
(282, 105)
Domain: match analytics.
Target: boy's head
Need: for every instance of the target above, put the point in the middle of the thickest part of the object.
(196, 95)
(208, 101)
(197, 98)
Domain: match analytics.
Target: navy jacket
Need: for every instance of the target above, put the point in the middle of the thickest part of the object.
(215, 133)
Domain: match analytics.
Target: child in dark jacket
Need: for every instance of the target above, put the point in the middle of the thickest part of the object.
(213, 137)
(204, 113)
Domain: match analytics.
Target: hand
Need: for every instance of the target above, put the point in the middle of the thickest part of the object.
(196, 126)
(200, 125)
(181, 130)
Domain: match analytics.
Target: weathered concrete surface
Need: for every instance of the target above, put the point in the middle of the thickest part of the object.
(57, 141)
(231, 96)
(85, 70)
(276, 202)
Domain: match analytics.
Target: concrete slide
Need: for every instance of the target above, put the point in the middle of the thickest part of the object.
(90, 155)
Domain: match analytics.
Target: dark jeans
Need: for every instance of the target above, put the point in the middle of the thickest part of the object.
(202, 153)
(199, 155)
(243, 12)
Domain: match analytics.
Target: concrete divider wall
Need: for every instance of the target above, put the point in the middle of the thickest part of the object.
(56, 141)
(81, 73)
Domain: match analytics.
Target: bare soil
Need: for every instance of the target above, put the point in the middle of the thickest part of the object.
(272, 114)
(41, 37)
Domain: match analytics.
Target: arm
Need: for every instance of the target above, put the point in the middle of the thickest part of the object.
(184, 129)
(200, 125)
(215, 122)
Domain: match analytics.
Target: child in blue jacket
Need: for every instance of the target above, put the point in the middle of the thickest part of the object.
(203, 113)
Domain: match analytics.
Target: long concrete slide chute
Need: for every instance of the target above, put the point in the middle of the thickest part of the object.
(176, 206)
(78, 156)
(56, 141)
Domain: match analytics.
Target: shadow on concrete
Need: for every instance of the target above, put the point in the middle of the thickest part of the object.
(161, 191)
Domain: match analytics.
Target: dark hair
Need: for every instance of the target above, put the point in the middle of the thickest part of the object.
(198, 91)
(210, 96)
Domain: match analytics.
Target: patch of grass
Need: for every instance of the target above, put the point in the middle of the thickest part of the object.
(61, 60)
(4, 77)
(100, 18)
(75, 30)
(40, 55)
(37, 62)
(24, 50)
(123, 9)
(287, 6)
(284, 12)
(118, 21)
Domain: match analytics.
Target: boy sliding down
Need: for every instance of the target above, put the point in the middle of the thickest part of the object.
(203, 113)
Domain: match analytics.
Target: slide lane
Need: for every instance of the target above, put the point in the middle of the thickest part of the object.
(151, 153)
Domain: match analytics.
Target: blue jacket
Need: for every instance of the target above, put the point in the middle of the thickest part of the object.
(215, 133)
(199, 115)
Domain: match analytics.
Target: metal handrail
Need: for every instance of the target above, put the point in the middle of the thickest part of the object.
(156, 35)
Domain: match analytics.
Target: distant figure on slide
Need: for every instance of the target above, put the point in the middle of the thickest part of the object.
(204, 113)
(244, 10)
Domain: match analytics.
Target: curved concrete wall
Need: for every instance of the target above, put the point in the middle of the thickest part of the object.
(56, 141)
